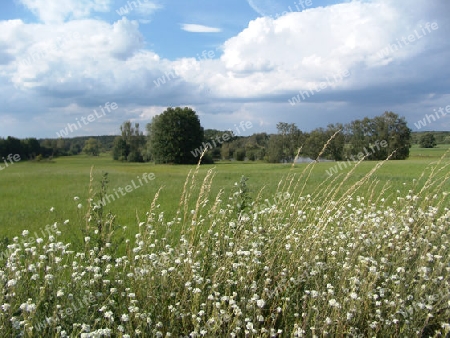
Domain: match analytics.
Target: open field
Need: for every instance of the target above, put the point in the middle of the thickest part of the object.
(28, 190)
(364, 254)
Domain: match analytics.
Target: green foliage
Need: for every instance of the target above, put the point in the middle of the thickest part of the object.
(388, 127)
(174, 136)
(442, 137)
(428, 141)
(91, 147)
(27, 148)
(130, 146)
(239, 154)
(241, 197)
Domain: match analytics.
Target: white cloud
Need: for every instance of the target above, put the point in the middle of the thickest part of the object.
(58, 11)
(194, 28)
(74, 52)
(301, 49)
(85, 63)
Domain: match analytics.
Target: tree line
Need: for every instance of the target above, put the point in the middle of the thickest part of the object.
(33, 148)
(176, 136)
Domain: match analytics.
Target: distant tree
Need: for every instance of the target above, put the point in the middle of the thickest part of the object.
(274, 152)
(239, 154)
(360, 135)
(225, 151)
(394, 130)
(428, 141)
(283, 146)
(130, 145)
(388, 127)
(255, 146)
(91, 147)
(335, 148)
(315, 142)
(31, 147)
(174, 136)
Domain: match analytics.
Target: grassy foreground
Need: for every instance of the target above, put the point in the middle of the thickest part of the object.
(348, 255)
(29, 189)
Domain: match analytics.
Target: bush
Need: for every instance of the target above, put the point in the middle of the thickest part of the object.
(428, 141)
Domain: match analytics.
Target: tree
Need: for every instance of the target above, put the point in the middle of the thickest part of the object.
(388, 127)
(335, 148)
(174, 136)
(283, 146)
(428, 141)
(91, 147)
(394, 130)
(360, 133)
(275, 149)
(130, 146)
(239, 154)
(315, 142)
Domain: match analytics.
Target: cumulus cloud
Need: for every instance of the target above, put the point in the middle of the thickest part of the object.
(301, 49)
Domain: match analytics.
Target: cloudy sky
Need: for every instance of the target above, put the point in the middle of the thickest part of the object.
(309, 62)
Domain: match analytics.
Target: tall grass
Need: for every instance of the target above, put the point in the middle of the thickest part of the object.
(337, 262)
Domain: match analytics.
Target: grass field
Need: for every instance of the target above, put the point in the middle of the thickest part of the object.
(29, 189)
(361, 253)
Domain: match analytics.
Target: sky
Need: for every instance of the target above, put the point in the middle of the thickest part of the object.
(83, 67)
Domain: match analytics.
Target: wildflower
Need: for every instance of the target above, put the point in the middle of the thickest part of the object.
(76, 198)
(11, 282)
(334, 303)
(260, 303)
(52, 209)
(109, 315)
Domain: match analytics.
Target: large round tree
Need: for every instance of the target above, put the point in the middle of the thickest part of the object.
(175, 135)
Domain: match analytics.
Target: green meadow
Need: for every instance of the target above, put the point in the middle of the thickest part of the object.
(28, 190)
(288, 251)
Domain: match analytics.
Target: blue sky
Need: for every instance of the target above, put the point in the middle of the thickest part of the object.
(307, 62)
